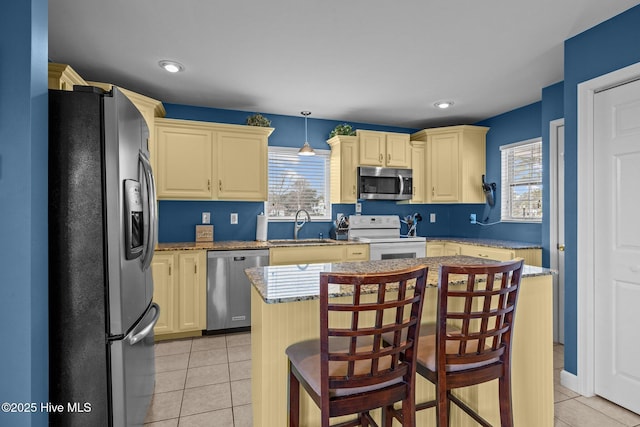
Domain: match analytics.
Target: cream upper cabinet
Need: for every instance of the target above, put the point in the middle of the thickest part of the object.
(384, 149)
(418, 160)
(63, 77)
(343, 168)
(184, 157)
(455, 163)
(242, 162)
(211, 161)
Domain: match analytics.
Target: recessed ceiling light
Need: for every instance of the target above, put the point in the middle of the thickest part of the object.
(443, 104)
(171, 66)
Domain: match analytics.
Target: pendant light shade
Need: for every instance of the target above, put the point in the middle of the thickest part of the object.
(306, 149)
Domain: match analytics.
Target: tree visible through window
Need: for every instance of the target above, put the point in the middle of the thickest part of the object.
(522, 181)
(298, 182)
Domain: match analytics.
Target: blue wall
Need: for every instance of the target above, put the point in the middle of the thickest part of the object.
(514, 126)
(606, 47)
(552, 109)
(178, 218)
(23, 208)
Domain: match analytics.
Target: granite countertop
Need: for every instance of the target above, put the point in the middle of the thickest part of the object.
(233, 245)
(289, 283)
(503, 244)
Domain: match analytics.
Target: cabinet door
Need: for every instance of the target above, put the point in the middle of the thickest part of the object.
(444, 167)
(163, 271)
(451, 249)
(397, 150)
(242, 166)
(372, 148)
(184, 163)
(349, 170)
(435, 249)
(191, 291)
(418, 158)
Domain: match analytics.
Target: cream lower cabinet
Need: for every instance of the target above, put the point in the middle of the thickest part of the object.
(343, 168)
(455, 163)
(211, 161)
(317, 254)
(531, 256)
(438, 249)
(180, 289)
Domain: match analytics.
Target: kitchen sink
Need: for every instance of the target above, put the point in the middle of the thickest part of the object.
(292, 242)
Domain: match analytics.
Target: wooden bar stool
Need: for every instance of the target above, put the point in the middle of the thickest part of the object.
(348, 370)
(473, 335)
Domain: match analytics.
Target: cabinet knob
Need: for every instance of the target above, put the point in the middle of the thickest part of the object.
(209, 184)
(220, 185)
(433, 191)
(560, 247)
(380, 158)
(388, 158)
(354, 190)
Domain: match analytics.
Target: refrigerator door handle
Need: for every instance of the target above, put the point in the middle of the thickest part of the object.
(151, 235)
(134, 336)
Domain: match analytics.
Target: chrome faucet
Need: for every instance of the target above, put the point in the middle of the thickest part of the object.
(296, 226)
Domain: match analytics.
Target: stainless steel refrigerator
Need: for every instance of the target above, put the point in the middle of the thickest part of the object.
(102, 232)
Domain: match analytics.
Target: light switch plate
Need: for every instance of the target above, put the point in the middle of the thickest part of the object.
(206, 217)
(432, 217)
(234, 218)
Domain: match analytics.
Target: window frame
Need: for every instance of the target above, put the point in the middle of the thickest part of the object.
(506, 179)
(294, 151)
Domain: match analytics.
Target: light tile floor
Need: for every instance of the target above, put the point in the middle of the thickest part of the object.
(574, 410)
(207, 382)
(203, 382)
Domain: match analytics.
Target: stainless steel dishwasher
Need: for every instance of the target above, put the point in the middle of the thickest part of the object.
(229, 289)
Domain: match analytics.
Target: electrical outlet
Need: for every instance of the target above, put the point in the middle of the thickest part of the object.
(358, 207)
(234, 218)
(206, 217)
(472, 218)
(432, 218)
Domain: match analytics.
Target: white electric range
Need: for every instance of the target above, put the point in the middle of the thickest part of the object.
(382, 232)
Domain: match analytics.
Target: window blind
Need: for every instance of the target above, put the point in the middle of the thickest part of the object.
(521, 181)
(298, 182)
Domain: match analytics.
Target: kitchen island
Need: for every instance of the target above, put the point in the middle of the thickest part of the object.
(285, 310)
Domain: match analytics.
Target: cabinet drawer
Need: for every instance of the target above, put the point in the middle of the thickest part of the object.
(487, 252)
(307, 255)
(357, 253)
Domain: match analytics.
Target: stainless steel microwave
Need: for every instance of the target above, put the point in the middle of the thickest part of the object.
(384, 183)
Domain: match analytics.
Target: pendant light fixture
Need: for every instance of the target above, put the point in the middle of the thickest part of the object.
(306, 149)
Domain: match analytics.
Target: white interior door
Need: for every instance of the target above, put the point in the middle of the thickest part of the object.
(557, 225)
(617, 244)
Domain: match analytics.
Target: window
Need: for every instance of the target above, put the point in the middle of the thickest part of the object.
(298, 182)
(522, 181)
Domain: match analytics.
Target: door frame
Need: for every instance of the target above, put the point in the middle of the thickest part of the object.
(585, 381)
(553, 214)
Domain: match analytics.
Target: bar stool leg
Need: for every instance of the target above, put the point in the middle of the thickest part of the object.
(294, 400)
(504, 391)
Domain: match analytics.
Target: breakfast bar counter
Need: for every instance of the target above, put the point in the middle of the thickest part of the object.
(285, 310)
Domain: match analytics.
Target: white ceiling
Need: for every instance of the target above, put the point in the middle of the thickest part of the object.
(370, 61)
